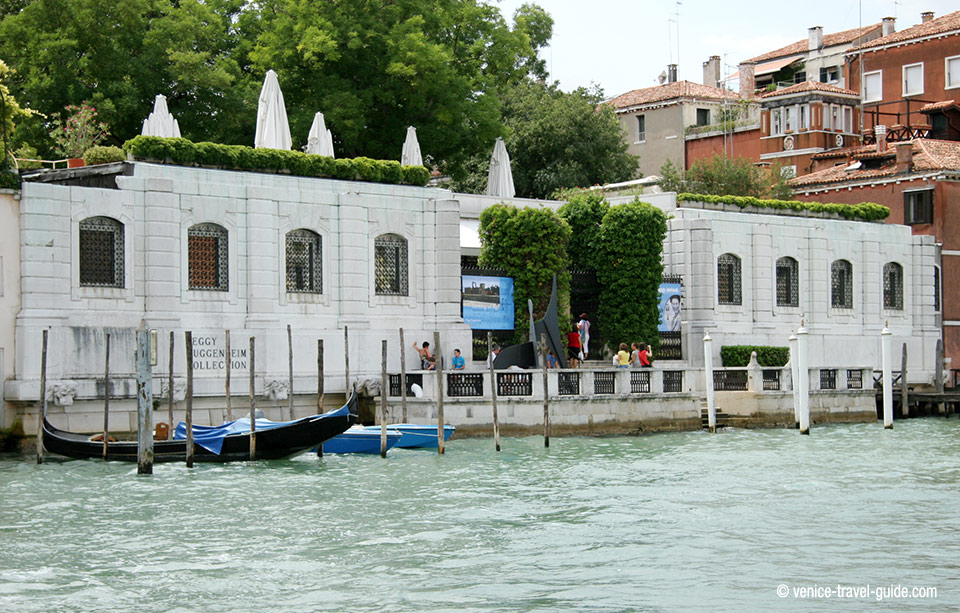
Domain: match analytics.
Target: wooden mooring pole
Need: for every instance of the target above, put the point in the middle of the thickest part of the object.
(170, 390)
(188, 399)
(708, 374)
(346, 362)
(43, 398)
(403, 380)
(904, 401)
(887, 381)
(106, 394)
(493, 390)
(290, 371)
(438, 354)
(144, 403)
(253, 403)
(546, 395)
(226, 385)
(383, 402)
(320, 382)
(939, 375)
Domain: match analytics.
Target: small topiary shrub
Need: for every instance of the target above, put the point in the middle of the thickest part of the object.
(103, 155)
(416, 175)
(734, 356)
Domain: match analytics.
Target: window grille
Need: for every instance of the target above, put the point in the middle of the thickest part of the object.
(828, 379)
(671, 345)
(390, 254)
(854, 379)
(464, 384)
(207, 257)
(936, 289)
(639, 381)
(304, 262)
(730, 380)
(841, 285)
(893, 286)
(788, 284)
(568, 383)
(672, 381)
(101, 252)
(728, 279)
(514, 384)
(411, 380)
(604, 382)
(771, 380)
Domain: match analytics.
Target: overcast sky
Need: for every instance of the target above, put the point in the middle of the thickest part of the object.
(624, 44)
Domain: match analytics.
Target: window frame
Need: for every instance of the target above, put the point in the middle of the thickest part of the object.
(946, 72)
(803, 118)
(118, 255)
(910, 217)
(892, 284)
(792, 265)
(222, 255)
(866, 79)
(402, 245)
(904, 79)
(776, 122)
(732, 294)
(846, 286)
(641, 128)
(706, 122)
(314, 240)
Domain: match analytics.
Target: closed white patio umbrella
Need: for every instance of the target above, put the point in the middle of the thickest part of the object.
(411, 149)
(273, 131)
(500, 177)
(320, 140)
(160, 122)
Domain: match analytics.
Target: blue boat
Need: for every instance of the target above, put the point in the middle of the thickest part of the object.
(361, 440)
(417, 435)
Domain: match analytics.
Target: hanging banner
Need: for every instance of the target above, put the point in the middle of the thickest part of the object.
(669, 307)
(487, 302)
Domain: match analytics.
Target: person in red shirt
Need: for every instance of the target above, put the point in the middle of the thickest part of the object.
(573, 348)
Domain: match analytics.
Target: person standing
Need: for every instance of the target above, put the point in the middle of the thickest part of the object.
(623, 357)
(584, 326)
(644, 355)
(574, 350)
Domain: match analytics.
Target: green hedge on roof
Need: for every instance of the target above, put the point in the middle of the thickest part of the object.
(238, 157)
(865, 211)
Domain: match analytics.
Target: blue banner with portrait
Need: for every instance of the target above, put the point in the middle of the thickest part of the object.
(669, 307)
(487, 302)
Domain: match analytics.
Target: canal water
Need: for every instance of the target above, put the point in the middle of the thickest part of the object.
(677, 521)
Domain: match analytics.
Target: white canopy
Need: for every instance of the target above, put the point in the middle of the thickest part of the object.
(160, 122)
(411, 149)
(273, 131)
(320, 140)
(500, 178)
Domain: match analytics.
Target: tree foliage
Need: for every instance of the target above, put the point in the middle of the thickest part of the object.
(10, 112)
(531, 246)
(630, 271)
(724, 176)
(583, 212)
(556, 140)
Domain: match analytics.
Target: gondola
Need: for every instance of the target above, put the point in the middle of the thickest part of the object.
(280, 442)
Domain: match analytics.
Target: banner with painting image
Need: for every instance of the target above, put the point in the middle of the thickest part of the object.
(670, 316)
(487, 302)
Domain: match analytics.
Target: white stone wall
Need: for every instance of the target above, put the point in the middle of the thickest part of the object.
(157, 205)
(9, 286)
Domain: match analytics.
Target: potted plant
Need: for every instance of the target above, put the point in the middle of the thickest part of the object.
(78, 133)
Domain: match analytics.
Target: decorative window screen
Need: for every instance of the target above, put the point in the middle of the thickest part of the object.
(390, 266)
(841, 285)
(101, 252)
(893, 286)
(788, 284)
(936, 289)
(304, 262)
(728, 279)
(207, 257)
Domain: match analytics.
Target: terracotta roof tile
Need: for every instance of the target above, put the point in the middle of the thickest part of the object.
(928, 155)
(829, 40)
(947, 23)
(671, 91)
(937, 106)
(810, 86)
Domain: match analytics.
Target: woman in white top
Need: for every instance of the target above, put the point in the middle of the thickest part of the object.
(584, 326)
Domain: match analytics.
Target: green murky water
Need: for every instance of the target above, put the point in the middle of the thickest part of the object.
(660, 522)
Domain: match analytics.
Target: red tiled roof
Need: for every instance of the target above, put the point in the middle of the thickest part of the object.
(829, 40)
(947, 23)
(938, 106)
(842, 153)
(810, 86)
(928, 155)
(671, 91)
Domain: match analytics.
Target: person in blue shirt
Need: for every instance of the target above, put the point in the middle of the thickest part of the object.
(458, 362)
(552, 361)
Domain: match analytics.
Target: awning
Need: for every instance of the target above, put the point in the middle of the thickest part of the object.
(768, 67)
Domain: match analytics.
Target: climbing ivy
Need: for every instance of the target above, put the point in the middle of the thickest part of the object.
(531, 246)
(583, 211)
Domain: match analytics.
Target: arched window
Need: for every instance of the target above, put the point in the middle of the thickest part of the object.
(728, 279)
(304, 260)
(390, 266)
(207, 257)
(893, 286)
(788, 282)
(841, 285)
(101, 252)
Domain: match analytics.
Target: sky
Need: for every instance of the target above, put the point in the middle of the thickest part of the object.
(623, 45)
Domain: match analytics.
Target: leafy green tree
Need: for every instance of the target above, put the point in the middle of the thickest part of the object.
(723, 176)
(630, 271)
(531, 246)
(583, 212)
(556, 140)
(10, 113)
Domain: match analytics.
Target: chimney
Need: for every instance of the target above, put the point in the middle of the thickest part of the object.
(671, 73)
(889, 26)
(815, 38)
(881, 133)
(926, 16)
(905, 157)
(748, 82)
(711, 71)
